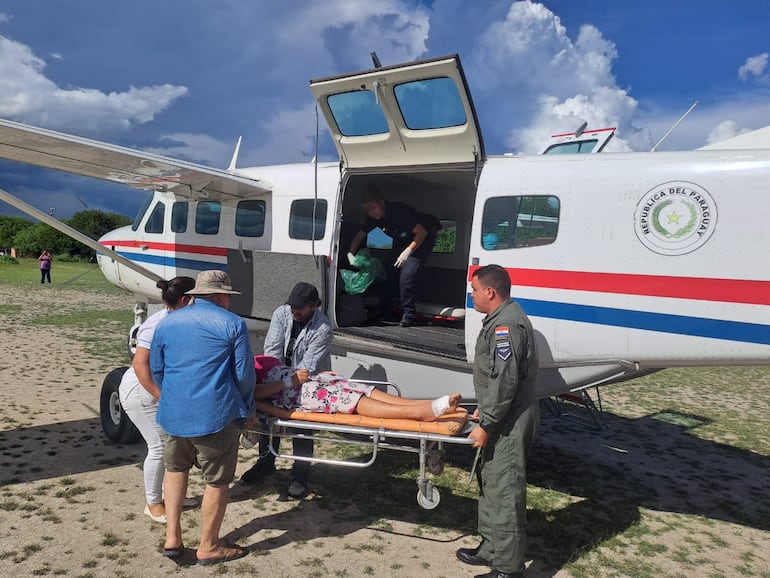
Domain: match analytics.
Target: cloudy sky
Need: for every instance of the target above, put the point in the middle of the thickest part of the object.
(186, 78)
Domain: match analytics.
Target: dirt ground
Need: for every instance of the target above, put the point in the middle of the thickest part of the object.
(71, 503)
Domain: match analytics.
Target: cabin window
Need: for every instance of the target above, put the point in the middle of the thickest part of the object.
(250, 218)
(357, 113)
(207, 217)
(569, 148)
(446, 238)
(154, 223)
(430, 103)
(142, 210)
(179, 212)
(307, 219)
(513, 222)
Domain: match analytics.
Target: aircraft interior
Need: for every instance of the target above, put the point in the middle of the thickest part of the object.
(447, 194)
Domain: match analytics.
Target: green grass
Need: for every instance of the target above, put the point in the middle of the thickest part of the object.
(71, 278)
(73, 275)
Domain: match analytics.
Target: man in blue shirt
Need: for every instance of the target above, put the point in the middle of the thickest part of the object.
(204, 365)
(300, 336)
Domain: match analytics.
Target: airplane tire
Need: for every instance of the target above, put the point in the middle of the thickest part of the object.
(116, 425)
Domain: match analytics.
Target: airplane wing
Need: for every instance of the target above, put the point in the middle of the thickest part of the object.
(137, 169)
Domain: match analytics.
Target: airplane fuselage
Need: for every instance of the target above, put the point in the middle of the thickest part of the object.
(651, 260)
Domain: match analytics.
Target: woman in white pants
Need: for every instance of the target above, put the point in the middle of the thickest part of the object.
(139, 395)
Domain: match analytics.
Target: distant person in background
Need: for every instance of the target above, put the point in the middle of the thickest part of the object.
(139, 396)
(45, 266)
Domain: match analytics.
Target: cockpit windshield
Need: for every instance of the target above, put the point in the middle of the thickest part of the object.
(142, 210)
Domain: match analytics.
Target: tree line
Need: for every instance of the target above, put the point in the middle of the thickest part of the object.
(30, 238)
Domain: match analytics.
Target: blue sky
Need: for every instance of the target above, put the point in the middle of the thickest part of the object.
(186, 78)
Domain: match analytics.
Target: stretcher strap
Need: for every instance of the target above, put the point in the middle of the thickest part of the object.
(448, 424)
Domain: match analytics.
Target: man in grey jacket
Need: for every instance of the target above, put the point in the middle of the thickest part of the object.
(300, 336)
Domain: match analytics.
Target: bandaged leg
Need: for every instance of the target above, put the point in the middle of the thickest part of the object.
(440, 405)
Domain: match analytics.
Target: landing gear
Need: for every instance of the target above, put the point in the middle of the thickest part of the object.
(131, 346)
(115, 423)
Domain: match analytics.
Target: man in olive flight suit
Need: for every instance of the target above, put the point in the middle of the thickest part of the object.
(503, 377)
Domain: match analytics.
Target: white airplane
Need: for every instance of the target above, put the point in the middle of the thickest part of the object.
(626, 263)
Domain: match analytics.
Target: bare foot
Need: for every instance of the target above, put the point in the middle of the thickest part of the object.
(454, 402)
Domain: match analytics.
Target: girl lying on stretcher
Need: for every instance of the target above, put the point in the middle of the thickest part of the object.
(330, 392)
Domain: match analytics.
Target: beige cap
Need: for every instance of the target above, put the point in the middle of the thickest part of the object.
(210, 282)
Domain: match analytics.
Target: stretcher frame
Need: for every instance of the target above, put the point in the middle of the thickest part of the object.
(430, 447)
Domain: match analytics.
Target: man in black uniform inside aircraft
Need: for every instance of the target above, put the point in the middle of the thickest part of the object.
(413, 234)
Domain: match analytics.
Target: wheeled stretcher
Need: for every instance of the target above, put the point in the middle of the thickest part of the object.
(375, 433)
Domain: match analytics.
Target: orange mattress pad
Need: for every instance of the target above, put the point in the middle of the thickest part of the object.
(448, 424)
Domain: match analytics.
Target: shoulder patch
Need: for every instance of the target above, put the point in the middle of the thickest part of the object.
(503, 349)
(502, 332)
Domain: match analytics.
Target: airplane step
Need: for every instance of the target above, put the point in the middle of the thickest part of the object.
(578, 407)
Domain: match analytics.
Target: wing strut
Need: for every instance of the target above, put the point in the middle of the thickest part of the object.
(75, 234)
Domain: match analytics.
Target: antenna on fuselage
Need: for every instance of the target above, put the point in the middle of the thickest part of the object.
(579, 132)
(676, 124)
(375, 60)
(235, 155)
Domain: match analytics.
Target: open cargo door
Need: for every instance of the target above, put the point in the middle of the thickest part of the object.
(414, 115)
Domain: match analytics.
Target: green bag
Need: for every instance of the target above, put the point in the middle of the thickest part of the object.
(370, 269)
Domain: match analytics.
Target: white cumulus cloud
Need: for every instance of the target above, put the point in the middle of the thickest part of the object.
(27, 95)
(565, 82)
(754, 66)
(724, 130)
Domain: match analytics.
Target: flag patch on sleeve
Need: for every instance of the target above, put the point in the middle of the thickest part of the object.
(503, 348)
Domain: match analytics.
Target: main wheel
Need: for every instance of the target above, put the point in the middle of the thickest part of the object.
(429, 502)
(115, 423)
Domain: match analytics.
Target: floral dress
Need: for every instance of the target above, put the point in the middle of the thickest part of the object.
(324, 393)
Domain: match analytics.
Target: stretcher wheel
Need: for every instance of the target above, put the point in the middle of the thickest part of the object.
(428, 502)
